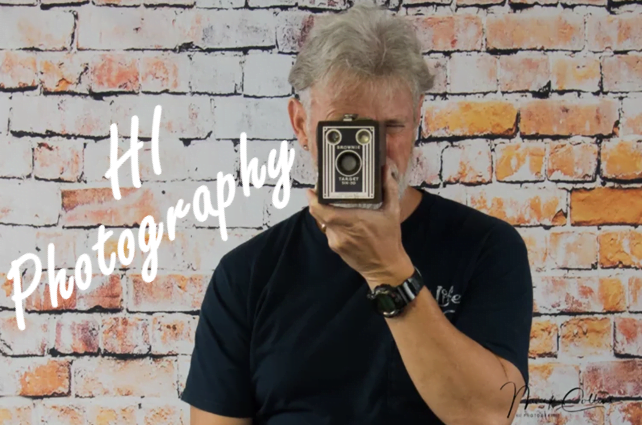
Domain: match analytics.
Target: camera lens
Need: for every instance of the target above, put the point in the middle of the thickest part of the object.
(333, 136)
(348, 163)
(363, 137)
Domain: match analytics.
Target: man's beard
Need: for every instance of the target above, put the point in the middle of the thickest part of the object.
(401, 180)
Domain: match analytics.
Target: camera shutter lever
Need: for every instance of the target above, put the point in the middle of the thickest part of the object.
(349, 117)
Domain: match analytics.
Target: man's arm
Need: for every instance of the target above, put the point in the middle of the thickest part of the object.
(201, 417)
(460, 369)
(458, 379)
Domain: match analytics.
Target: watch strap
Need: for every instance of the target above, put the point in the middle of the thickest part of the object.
(410, 288)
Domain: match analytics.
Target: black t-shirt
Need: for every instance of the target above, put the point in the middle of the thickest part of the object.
(287, 336)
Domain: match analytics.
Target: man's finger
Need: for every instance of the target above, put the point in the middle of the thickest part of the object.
(390, 189)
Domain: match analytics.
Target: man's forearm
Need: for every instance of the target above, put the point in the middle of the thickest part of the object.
(458, 378)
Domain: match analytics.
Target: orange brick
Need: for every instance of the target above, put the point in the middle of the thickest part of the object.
(552, 380)
(173, 333)
(615, 32)
(468, 162)
(586, 336)
(620, 248)
(604, 205)
(126, 335)
(535, 240)
(543, 337)
(635, 293)
(76, 334)
(18, 70)
(469, 118)
(68, 412)
(104, 292)
(573, 250)
(589, 2)
(98, 414)
(548, 117)
(520, 207)
(572, 161)
(172, 292)
(628, 336)
(165, 72)
(59, 160)
(631, 120)
(523, 72)
(621, 160)
(622, 73)
(114, 72)
(448, 33)
(146, 377)
(579, 295)
(94, 206)
(46, 377)
(552, 30)
(625, 413)
(617, 378)
(575, 73)
(163, 413)
(64, 72)
(520, 161)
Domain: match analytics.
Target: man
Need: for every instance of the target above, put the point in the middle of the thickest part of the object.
(287, 334)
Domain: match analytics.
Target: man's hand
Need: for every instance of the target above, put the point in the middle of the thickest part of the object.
(369, 241)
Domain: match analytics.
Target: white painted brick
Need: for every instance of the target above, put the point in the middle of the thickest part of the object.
(106, 28)
(15, 156)
(216, 73)
(297, 201)
(14, 242)
(65, 115)
(474, 73)
(291, 28)
(261, 150)
(223, 29)
(220, 4)
(25, 27)
(265, 118)
(173, 158)
(68, 243)
(18, 343)
(205, 158)
(29, 202)
(97, 158)
(303, 170)
(271, 3)
(5, 102)
(266, 74)
(181, 116)
(427, 166)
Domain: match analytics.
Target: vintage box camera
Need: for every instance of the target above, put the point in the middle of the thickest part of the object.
(351, 154)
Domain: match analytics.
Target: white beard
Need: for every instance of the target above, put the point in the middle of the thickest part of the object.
(401, 180)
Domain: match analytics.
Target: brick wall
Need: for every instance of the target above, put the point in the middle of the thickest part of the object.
(535, 117)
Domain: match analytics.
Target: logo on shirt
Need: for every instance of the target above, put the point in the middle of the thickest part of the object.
(446, 298)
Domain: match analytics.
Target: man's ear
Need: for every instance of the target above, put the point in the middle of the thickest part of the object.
(297, 115)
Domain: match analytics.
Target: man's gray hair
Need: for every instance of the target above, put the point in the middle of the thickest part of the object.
(361, 46)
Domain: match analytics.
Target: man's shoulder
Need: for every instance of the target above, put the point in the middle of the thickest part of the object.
(266, 244)
(473, 224)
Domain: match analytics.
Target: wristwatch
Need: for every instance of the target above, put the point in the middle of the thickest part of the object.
(390, 301)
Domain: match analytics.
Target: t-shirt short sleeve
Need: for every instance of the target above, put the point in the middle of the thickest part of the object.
(219, 377)
(496, 309)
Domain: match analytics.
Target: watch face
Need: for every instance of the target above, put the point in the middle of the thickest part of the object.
(385, 303)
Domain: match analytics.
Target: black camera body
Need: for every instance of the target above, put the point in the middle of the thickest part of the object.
(351, 154)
